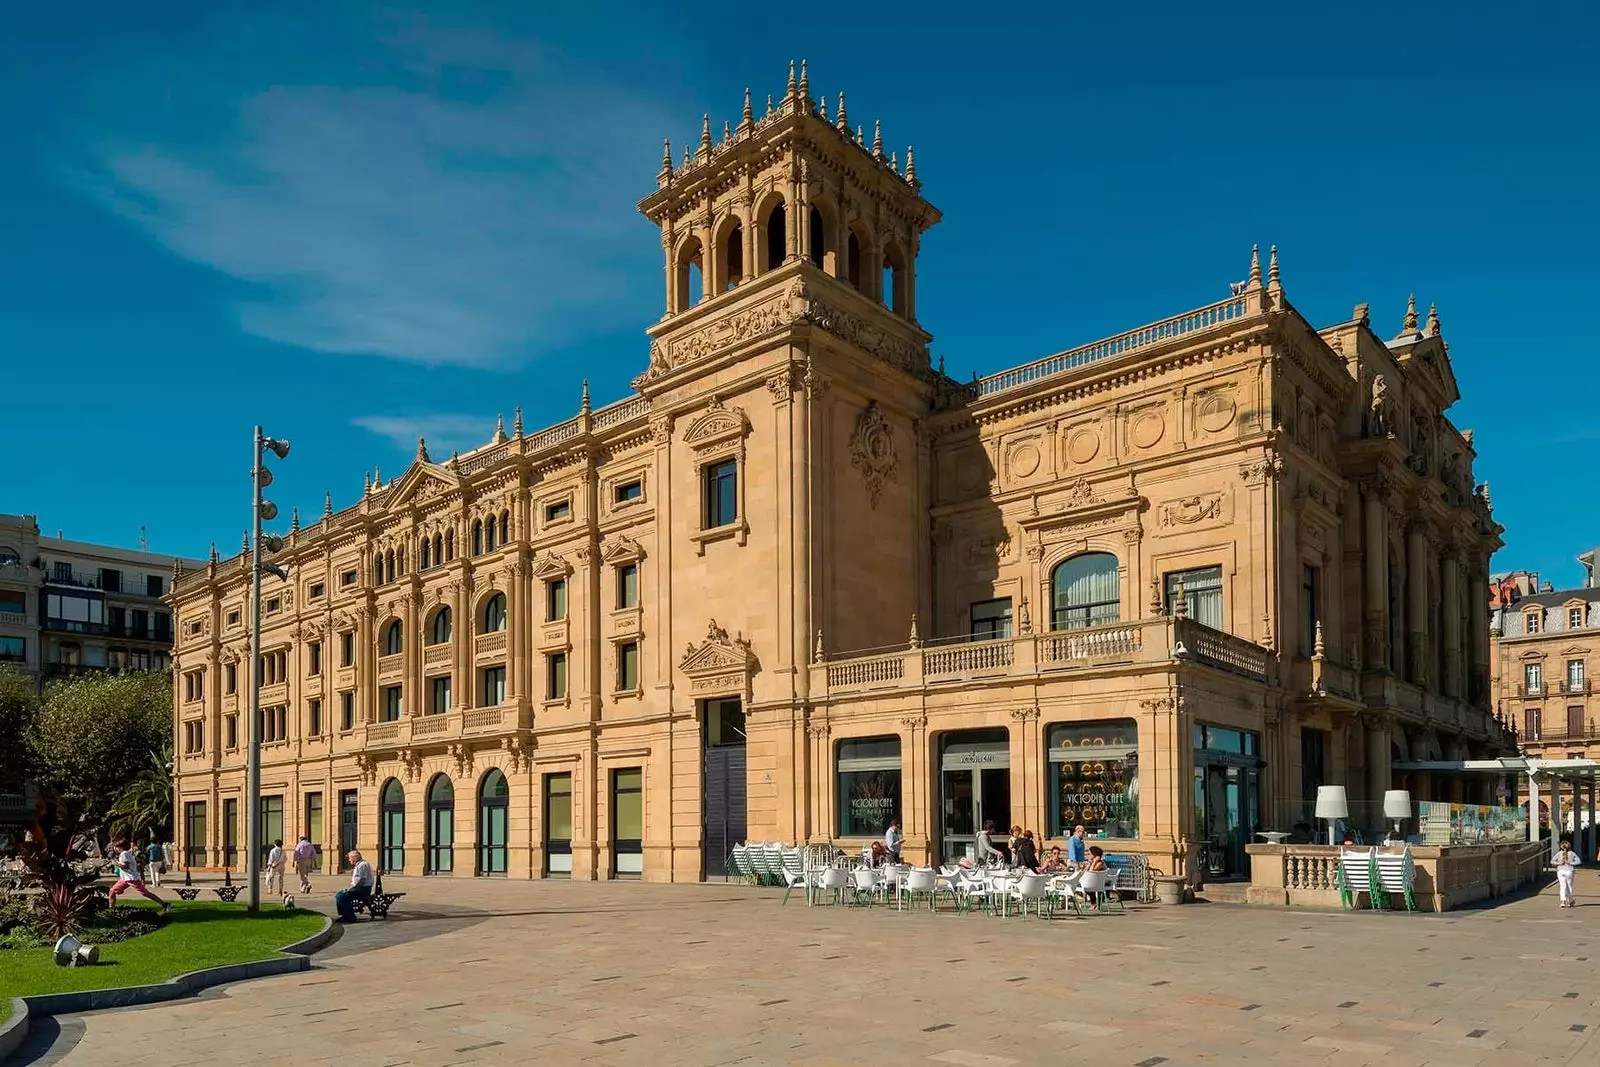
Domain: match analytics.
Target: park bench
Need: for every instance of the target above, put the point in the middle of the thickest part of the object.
(378, 904)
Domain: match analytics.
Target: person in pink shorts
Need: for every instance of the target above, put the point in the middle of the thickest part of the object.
(128, 877)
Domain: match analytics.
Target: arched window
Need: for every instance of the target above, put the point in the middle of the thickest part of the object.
(777, 230)
(377, 570)
(733, 257)
(441, 826)
(489, 540)
(393, 638)
(438, 550)
(494, 614)
(439, 632)
(819, 237)
(505, 527)
(392, 828)
(450, 545)
(388, 566)
(895, 279)
(427, 554)
(477, 537)
(494, 806)
(402, 566)
(688, 275)
(852, 261)
(1085, 592)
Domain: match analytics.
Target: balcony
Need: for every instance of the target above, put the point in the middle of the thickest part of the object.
(1532, 690)
(76, 626)
(1575, 687)
(390, 666)
(1150, 641)
(13, 618)
(1557, 735)
(76, 579)
(439, 729)
(488, 646)
(433, 655)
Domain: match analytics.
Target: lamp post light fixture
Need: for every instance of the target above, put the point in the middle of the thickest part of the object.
(261, 510)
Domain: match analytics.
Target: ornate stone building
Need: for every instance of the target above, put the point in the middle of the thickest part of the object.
(800, 581)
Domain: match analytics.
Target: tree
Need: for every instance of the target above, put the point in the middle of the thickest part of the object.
(19, 702)
(144, 808)
(93, 737)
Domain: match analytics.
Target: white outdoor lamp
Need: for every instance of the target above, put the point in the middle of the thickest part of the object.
(1332, 805)
(1397, 806)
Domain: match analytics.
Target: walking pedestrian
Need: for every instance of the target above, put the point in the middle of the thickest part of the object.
(128, 877)
(1566, 863)
(155, 861)
(276, 862)
(305, 861)
(893, 839)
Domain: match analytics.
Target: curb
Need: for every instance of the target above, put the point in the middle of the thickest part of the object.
(14, 1031)
(173, 988)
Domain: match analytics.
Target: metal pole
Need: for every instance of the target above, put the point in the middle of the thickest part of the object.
(253, 780)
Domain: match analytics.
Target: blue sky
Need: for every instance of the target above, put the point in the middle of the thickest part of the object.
(423, 216)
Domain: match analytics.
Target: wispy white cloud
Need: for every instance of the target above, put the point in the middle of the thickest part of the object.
(444, 433)
(467, 202)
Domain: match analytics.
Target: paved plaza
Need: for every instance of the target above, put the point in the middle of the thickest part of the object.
(482, 972)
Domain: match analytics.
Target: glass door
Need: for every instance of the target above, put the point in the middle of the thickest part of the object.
(347, 826)
(960, 824)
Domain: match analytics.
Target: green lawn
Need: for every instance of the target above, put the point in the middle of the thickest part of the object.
(196, 935)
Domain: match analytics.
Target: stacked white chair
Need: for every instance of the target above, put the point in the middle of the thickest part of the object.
(774, 860)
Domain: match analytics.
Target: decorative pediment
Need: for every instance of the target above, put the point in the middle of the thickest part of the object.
(550, 566)
(1575, 650)
(620, 548)
(421, 483)
(720, 665)
(1531, 654)
(716, 426)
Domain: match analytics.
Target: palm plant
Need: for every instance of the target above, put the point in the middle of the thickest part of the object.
(145, 805)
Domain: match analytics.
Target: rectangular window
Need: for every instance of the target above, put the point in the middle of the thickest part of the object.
(628, 585)
(1093, 778)
(347, 579)
(1532, 678)
(1531, 621)
(118, 620)
(110, 580)
(314, 657)
(868, 785)
(13, 650)
(13, 602)
(556, 676)
(140, 627)
(439, 695)
(233, 618)
(990, 620)
(313, 827)
(230, 726)
(721, 494)
(230, 678)
(271, 824)
(1574, 618)
(558, 823)
(628, 667)
(194, 833)
(1202, 595)
(555, 600)
(153, 586)
(1310, 610)
(1530, 724)
(318, 591)
(314, 718)
(561, 509)
(627, 821)
(1575, 674)
(194, 740)
(629, 491)
(347, 711)
(347, 827)
(274, 605)
(230, 832)
(1575, 722)
(391, 703)
(163, 626)
(347, 649)
(494, 687)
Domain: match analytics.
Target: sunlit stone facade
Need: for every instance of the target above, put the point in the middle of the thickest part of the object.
(800, 580)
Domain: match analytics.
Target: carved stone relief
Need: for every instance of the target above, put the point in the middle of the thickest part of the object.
(872, 450)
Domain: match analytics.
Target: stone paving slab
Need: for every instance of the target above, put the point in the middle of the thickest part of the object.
(495, 972)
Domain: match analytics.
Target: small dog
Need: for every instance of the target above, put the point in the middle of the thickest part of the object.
(288, 900)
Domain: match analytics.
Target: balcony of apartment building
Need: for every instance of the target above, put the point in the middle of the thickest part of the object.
(439, 728)
(108, 580)
(14, 572)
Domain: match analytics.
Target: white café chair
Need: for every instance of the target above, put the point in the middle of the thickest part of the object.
(1091, 886)
(867, 883)
(835, 880)
(1065, 889)
(919, 881)
(1035, 888)
(1113, 899)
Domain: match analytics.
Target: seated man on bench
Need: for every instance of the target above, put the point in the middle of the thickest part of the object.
(360, 890)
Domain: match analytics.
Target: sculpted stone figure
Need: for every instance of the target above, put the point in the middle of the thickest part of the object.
(1381, 419)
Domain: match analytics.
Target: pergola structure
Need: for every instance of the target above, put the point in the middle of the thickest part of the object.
(1582, 775)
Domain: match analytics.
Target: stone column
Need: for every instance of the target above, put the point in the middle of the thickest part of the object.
(1533, 808)
(1379, 770)
(1450, 582)
(1375, 556)
(1416, 666)
(671, 304)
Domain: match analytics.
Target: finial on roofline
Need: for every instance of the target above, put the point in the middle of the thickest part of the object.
(911, 165)
(769, 105)
(422, 450)
(747, 118)
(516, 422)
(1255, 266)
(244, 546)
(213, 552)
(727, 131)
(705, 132)
(1410, 322)
(1273, 281)
(583, 406)
(792, 91)
(665, 173)
(822, 108)
(877, 138)
(327, 504)
(294, 520)
(844, 121)
(805, 85)
(366, 483)
(1431, 329)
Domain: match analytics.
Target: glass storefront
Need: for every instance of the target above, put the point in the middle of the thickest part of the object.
(1094, 778)
(868, 785)
(392, 829)
(974, 789)
(627, 821)
(558, 823)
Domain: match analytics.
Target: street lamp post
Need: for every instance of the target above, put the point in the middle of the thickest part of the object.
(262, 510)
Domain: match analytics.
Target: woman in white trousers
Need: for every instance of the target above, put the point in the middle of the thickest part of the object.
(1566, 862)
